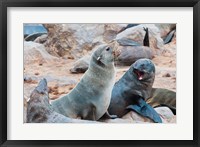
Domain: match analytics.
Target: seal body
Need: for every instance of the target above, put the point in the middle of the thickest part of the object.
(131, 91)
(91, 96)
(163, 97)
(40, 111)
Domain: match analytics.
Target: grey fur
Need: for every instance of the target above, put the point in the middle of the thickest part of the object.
(91, 97)
(39, 110)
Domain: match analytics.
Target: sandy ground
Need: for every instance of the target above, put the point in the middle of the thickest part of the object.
(61, 81)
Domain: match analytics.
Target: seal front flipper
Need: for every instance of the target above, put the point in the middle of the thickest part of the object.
(146, 110)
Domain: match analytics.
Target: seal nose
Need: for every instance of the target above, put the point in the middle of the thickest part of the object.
(116, 52)
(115, 48)
(113, 44)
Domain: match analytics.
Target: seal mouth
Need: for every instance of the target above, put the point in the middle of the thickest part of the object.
(140, 74)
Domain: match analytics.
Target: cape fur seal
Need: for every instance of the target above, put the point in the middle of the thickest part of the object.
(131, 91)
(40, 111)
(163, 97)
(91, 96)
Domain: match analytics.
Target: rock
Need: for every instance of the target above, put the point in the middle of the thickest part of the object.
(41, 39)
(32, 37)
(166, 75)
(165, 29)
(129, 54)
(77, 39)
(81, 65)
(135, 117)
(127, 26)
(37, 73)
(165, 113)
(127, 42)
(173, 120)
(137, 34)
(25, 111)
(28, 79)
(36, 53)
(130, 117)
(111, 31)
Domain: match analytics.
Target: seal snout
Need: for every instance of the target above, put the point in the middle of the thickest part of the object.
(116, 53)
(114, 46)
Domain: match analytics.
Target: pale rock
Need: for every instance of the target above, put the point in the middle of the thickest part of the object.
(36, 53)
(165, 113)
(74, 39)
(81, 65)
(42, 39)
(136, 118)
(165, 29)
(137, 34)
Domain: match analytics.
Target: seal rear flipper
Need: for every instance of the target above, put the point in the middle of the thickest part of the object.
(108, 116)
(145, 110)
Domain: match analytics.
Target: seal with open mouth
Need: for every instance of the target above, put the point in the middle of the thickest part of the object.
(131, 91)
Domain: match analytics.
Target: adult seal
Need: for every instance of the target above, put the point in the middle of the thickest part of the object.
(91, 96)
(40, 111)
(163, 97)
(131, 91)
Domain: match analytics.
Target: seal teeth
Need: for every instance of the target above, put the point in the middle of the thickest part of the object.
(139, 74)
(140, 78)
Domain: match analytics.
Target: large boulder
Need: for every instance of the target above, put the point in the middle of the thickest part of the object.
(36, 53)
(129, 54)
(165, 113)
(137, 34)
(81, 65)
(165, 29)
(41, 39)
(75, 40)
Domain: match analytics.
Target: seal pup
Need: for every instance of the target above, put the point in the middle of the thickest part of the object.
(131, 91)
(40, 111)
(91, 96)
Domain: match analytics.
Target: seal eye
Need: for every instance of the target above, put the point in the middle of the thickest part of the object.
(108, 48)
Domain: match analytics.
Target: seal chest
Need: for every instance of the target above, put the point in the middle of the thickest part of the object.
(91, 96)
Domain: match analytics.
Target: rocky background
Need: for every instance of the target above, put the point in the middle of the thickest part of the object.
(61, 53)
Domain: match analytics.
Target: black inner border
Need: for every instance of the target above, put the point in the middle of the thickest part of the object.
(4, 4)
